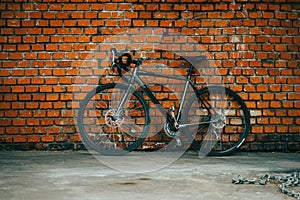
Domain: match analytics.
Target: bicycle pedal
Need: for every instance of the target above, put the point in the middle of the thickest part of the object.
(133, 131)
(171, 109)
(178, 142)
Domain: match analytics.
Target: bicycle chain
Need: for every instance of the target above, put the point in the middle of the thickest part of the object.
(284, 182)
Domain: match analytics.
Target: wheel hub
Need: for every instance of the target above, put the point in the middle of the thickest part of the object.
(220, 121)
(114, 120)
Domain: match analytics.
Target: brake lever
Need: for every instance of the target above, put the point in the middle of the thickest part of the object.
(113, 50)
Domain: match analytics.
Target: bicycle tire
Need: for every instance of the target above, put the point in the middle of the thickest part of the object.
(103, 134)
(237, 120)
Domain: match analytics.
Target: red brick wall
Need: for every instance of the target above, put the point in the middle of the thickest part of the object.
(41, 42)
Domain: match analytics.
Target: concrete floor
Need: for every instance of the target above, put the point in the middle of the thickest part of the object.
(79, 175)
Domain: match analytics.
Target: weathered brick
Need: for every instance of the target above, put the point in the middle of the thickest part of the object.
(254, 47)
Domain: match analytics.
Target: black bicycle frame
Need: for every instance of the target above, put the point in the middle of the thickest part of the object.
(136, 78)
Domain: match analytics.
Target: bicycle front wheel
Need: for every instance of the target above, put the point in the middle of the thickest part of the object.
(227, 117)
(108, 129)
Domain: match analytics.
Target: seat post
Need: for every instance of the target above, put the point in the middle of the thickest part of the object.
(190, 71)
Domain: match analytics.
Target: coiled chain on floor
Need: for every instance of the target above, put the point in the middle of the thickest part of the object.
(285, 182)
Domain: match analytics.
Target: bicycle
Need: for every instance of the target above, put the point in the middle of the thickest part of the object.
(113, 119)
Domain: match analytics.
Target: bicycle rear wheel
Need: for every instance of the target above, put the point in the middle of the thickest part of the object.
(103, 129)
(229, 132)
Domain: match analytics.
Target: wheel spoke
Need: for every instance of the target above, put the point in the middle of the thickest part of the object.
(106, 131)
(229, 116)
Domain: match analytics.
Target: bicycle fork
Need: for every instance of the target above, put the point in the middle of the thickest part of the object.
(127, 93)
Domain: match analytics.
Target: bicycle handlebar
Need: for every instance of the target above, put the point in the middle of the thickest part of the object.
(122, 61)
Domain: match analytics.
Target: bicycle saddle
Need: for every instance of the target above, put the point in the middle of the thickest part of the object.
(193, 59)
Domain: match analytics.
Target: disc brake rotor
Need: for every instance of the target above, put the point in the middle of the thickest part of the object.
(113, 120)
